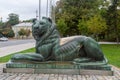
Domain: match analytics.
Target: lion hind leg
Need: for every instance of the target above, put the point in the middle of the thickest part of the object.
(93, 49)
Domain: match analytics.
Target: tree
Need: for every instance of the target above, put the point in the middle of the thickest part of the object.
(22, 32)
(113, 20)
(74, 10)
(13, 19)
(10, 33)
(30, 20)
(96, 25)
(62, 27)
(82, 27)
(1, 25)
(7, 32)
(4, 32)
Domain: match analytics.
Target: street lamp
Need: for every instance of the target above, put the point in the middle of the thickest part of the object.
(39, 9)
(47, 9)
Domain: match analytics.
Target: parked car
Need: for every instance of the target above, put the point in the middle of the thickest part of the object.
(3, 39)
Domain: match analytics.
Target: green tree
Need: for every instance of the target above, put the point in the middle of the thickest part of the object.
(4, 31)
(74, 10)
(113, 20)
(30, 20)
(62, 27)
(7, 32)
(96, 25)
(13, 19)
(22, 32)
(1, 25)
(82, 27)
(10, 33)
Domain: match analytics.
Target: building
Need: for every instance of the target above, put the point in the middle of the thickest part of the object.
(25, 25)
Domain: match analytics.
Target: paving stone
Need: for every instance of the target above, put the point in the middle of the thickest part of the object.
(24, 76)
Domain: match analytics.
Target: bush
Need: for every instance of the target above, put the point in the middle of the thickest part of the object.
(10, 33)
(27, 33)
(22, 32)
(7, 32)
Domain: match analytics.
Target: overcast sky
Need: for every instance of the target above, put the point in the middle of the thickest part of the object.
(26, 9)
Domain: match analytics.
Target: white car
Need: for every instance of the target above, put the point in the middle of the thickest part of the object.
(3, 39)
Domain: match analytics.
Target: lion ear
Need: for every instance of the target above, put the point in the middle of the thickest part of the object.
(34, 20)
(47, 18)
(50, 20)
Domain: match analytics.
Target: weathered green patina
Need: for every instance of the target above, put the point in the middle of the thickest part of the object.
(80, 49)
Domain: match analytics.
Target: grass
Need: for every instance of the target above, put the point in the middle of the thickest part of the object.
(111, 51)
(6, 58)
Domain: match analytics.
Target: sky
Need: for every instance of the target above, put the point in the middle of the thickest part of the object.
(26, 9)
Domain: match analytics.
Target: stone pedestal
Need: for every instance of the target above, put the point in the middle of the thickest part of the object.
(55, 67)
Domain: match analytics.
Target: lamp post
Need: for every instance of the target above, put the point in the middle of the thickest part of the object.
(47, 9)
(53, 10)
(39, 9)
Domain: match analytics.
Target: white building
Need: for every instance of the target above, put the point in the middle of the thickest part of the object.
(25, 26)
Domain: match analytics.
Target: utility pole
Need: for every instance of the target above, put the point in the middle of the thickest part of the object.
(39, 9)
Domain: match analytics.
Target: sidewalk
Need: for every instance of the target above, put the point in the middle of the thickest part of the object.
(15, 48)
(108, 43)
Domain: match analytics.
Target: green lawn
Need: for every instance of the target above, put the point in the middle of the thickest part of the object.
(6, 58)
(112, 52)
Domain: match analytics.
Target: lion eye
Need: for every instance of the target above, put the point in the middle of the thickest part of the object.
(41, 23)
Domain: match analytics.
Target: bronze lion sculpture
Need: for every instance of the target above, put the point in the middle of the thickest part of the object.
(48, 48)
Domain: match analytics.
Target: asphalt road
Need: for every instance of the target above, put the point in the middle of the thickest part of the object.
(15, 42)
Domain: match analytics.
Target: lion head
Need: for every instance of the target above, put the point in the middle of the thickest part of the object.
(40, 27)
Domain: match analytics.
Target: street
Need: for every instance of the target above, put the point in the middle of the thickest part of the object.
(13, 46)
(24, 41)
(15, 42)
